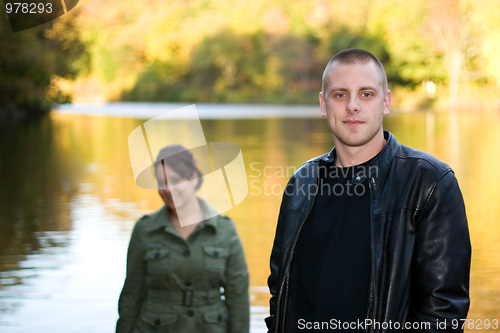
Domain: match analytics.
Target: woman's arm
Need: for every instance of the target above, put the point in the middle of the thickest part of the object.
(236, 287)
(131, 296)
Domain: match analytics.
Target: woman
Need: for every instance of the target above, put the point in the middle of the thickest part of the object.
(190, 278)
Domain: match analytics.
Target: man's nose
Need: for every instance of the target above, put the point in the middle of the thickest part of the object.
(352, 104)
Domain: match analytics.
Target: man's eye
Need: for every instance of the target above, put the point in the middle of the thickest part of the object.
(339, 95)
(367, 94)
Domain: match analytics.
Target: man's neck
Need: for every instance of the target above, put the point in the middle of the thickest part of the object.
(349, 156)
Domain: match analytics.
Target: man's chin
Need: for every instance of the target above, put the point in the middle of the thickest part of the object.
(354, 139)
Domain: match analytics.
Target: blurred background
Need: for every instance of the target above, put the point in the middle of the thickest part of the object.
(68, 199)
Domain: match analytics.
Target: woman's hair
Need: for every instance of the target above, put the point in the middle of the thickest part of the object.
(180, 160)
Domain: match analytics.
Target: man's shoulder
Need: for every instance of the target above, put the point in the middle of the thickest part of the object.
(315, 161)
(324, 157)
(419, 160)
(308, 170)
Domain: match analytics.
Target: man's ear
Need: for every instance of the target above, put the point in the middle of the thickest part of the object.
(387, 102)
(322, 104)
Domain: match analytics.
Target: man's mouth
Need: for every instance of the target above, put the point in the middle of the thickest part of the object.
(353, 122)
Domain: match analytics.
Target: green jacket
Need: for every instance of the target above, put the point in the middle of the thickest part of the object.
(198, 285)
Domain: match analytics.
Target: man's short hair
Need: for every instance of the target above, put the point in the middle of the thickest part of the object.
(353, 56)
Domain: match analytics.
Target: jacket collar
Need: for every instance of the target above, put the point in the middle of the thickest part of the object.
(160, 219)
(377, 165)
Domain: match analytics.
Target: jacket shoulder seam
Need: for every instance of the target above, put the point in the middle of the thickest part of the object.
(406, 152)
(434, 185)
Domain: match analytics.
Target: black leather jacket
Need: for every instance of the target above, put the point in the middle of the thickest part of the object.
(420, 242)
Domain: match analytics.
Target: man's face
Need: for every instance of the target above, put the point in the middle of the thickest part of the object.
(354, 103)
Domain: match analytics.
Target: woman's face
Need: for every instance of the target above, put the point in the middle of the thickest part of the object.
(177, 191)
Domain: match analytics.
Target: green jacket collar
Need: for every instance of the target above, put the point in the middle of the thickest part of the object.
(159, 219)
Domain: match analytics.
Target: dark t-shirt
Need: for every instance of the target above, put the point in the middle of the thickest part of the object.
(334, 255)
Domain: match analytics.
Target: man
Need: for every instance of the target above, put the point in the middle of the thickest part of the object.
(372, 236)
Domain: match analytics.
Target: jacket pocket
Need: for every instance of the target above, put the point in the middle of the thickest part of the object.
(160, 319)
(157, 260)
(215, 321)
(215, 258)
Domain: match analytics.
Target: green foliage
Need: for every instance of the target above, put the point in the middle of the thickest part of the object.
(29, 62)
(413, 58)
(230, 67)
(249, 51)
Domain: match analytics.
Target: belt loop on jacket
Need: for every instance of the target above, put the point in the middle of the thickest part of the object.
(187, 297)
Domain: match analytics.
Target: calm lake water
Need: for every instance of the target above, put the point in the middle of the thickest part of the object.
(68, 202)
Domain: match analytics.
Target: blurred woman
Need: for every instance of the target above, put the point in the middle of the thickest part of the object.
(190, 278)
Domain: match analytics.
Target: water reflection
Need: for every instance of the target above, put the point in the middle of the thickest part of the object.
(68, 201)
(38, 176)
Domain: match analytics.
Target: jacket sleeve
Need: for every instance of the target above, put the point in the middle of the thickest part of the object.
(441, 262)
(236, 286)
(276, 257)
(131, 296)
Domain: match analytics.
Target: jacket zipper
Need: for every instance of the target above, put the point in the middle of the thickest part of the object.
(287, 270)
(372, 186)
